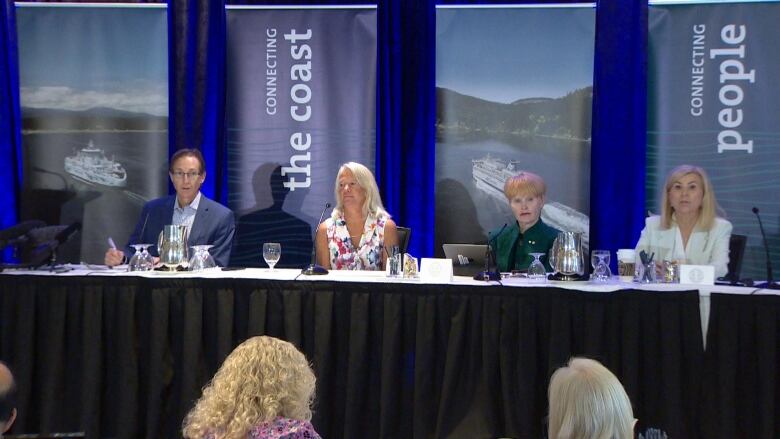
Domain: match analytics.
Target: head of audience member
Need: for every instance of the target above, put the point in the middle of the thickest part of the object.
(587, 401)
(262, 379)
(688, 192)
(356, 190)
(187, 170)
(526, 195)
(7, 398)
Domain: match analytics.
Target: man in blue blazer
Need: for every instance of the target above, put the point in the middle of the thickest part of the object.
(207, 221)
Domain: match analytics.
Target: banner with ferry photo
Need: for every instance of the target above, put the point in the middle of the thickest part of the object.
(714, 101)
(513, 92)
(94, 97)
(301, 100)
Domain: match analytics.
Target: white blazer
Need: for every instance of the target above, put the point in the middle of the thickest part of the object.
(705, 247)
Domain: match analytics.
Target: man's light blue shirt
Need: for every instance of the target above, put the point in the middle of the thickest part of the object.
(185, 215)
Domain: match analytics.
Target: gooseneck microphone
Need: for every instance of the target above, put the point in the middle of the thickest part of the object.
(9, 235)
(488, 275)
(770, 283)
(64, 235)
(313, 268)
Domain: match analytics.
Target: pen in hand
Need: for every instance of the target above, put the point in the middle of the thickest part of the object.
(112, 245)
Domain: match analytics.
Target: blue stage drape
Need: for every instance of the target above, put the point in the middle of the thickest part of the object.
(10, 117)
(196, 90)
(617, 183)
(406, 109)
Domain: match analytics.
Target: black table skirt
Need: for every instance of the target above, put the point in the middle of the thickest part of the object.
(742, 396)
(127, 356)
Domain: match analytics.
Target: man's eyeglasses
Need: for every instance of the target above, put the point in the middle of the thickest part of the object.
(180, 175)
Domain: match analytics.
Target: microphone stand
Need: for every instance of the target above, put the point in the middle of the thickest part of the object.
(313, 268)
(770, 284)
(488, 275)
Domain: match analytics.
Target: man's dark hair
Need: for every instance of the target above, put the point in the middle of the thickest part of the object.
(187, 152)
(7, 399)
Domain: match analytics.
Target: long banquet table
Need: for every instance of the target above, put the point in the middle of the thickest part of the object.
(124, 355)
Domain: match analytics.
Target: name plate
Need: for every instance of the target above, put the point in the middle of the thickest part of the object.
(434, 270)
(697, 274)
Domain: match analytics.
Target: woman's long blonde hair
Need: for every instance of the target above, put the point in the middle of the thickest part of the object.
(365, 179)
(587, 401)
(262, 378)
(709, 207)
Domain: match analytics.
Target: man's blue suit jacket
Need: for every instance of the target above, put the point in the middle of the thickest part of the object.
(214, 224)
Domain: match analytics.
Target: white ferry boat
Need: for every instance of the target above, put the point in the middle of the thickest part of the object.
(91, 165)
(490, 174)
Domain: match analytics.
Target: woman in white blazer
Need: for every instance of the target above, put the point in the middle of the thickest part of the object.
(689, 229)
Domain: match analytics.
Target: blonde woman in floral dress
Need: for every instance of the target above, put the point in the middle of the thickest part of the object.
(359, 230)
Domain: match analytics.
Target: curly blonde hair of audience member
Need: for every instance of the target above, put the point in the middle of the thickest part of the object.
(524, 183)
(365, 179)
(262, 378)
(709, 207)
(587, 401)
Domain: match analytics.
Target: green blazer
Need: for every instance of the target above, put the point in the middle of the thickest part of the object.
(513, 249)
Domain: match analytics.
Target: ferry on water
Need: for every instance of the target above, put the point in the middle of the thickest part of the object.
(91, 165)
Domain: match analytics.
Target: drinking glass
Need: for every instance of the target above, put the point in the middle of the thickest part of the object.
(272, 251)
(201, 258)
(141, 260)
(599, 259)
(536, 271)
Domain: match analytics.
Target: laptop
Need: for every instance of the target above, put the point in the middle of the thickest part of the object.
(467, 259)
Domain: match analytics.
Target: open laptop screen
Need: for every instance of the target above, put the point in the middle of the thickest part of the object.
(465, 254)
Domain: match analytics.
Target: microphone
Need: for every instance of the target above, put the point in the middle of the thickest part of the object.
(143, 228)
(48, 240)
(488, 275)
(65, 234)
(9, 235)
(770, 283)
(141, 235)
(41, 247)
(313, 268)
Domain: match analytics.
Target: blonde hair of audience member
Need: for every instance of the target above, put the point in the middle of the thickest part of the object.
(524, 183)
(587, 401)
(709, 207)
(365, 179)
(263, 378)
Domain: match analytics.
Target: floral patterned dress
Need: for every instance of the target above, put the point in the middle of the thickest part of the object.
(284, 428)
(279, 428)
(368, 253)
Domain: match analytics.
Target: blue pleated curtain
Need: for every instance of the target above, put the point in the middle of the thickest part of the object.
(10, 119)
(406, 109)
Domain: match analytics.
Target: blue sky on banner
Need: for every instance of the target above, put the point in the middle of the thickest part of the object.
(548, 75)
(104, 78)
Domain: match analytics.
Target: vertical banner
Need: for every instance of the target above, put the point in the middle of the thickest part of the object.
(514, 89)
(714, 102)
(94, 97)
(301, 100)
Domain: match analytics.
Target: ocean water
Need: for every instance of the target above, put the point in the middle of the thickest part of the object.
(464, 213)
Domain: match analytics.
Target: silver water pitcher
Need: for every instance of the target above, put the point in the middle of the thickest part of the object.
(566, 255)
(172, 244)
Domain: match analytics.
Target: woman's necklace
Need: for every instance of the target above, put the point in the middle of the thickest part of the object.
(355, 237)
